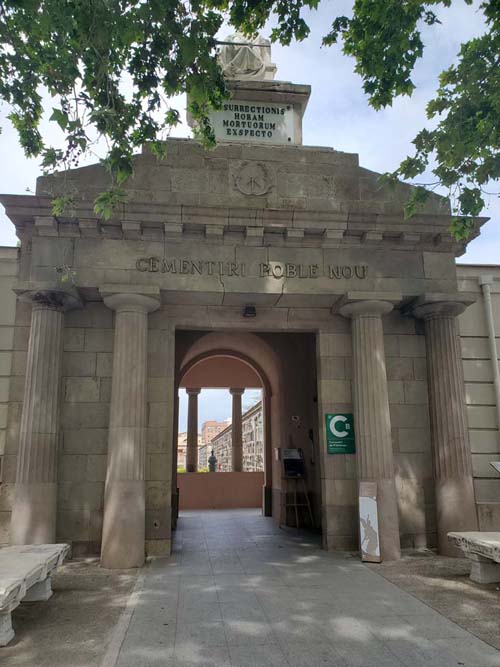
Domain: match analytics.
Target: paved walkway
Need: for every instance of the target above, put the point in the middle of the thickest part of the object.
(240, 592)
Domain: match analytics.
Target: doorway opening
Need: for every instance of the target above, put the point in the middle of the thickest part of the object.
(220, 431)
(249, 397)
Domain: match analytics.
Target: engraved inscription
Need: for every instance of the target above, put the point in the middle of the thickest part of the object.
(276, 270)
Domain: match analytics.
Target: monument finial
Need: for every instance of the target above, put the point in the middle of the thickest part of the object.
(246, 59)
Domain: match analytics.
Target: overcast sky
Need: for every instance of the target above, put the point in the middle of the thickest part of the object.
(338, 115)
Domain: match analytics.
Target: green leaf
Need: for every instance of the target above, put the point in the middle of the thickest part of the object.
(106, 203)
(60, 205)
(159, 149)
(60, 117)
(416, 202)
(110, 65)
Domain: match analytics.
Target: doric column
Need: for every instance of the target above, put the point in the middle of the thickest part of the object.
(237, 430)
(372, 421)
(192, 431)
(35, 499)
(455, 504)
(123, 532)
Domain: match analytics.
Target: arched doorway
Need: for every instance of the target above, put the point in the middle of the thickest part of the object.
(233, 361)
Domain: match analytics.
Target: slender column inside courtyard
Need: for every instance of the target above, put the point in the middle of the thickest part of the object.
(124, 504)
(372, 416)
(455, 505)
(192, 431)
(236, 430)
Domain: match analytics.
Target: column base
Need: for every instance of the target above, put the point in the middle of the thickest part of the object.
(124, 527)
(388, 520)
(456, 511)
(34, 514)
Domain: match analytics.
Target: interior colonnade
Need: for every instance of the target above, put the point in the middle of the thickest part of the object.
(236, 430)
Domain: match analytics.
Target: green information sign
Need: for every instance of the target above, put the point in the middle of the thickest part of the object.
(340, 433)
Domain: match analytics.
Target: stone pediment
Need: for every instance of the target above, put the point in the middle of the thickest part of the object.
(259, 195)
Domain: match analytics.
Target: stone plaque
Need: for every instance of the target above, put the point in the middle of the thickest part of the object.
(254, 122)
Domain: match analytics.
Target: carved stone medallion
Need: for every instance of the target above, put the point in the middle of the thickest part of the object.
(252, 178)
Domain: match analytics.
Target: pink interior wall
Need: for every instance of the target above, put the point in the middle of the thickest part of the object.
(220, 490)
(220, 371)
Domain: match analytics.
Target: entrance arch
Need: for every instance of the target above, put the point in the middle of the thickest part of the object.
(251, 362)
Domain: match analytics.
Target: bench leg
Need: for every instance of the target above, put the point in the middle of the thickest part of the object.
(6, 630)
(40, 591)
(485, 572)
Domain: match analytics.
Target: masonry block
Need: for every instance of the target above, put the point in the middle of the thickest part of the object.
(82, 390)
(80, 364)
(85, 440)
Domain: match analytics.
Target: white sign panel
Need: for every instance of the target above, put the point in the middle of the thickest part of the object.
(254, 122)
(368, 522)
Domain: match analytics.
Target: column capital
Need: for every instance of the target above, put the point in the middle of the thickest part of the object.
(49, 296)
(365, 308)
(192, 391)
(354, 305)
(436, 306)
(122, 298)
(235, 391)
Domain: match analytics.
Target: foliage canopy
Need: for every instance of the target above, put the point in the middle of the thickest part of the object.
(111, 66)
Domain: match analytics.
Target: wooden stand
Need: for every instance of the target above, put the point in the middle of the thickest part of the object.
(290, 487)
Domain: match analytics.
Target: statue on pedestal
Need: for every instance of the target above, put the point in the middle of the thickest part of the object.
(212, 462)
(246, 59)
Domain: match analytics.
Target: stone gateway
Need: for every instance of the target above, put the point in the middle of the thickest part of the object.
(288, 262)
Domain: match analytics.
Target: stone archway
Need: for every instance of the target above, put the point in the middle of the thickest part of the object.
(250, 351)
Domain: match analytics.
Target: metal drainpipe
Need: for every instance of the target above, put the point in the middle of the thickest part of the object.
(485, 283)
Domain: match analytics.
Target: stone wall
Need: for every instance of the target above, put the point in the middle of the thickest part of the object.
(220, 490)
(338, 472)
(407, 384)
(85, 396)
(84, 417)
(295, 352)
(8, 366)
(480, 393)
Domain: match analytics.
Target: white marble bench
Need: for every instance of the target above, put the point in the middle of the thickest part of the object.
(25, 573)
(483, 549)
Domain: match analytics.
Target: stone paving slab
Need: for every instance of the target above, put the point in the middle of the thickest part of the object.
(444, 584)
(238, 591)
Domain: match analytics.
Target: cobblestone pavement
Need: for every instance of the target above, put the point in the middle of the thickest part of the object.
(238, 591)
